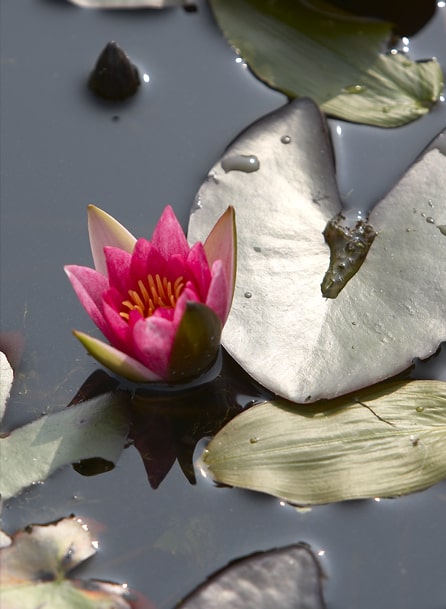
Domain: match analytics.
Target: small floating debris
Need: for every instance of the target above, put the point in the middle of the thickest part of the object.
(348, 250)
(114, 76)
(241, 162)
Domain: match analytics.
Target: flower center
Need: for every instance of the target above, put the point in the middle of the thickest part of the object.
(155, 292)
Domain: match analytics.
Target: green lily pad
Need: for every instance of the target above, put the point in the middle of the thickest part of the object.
(302, 342)
(332, 57)
(29, 454)
(385, 441)
(34, 568)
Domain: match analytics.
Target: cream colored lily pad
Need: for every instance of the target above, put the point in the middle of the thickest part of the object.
(34, 568)
(281, 329)
(384, 441)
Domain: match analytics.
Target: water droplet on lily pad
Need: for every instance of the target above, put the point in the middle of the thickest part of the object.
(419, 408)
(241, 162)
(430, 220)
(442, 229)
(285, 139)
(354, 89)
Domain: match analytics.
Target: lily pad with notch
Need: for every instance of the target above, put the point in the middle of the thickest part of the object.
(282, 329)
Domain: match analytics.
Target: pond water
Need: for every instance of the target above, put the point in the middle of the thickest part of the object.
(61, 149)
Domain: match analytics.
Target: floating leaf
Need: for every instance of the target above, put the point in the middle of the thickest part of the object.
(331, 57)
(6, 378)
(384, 441)
(288, 577)
(34, 567)
(29, 454)
(281, 329)
(136, 4)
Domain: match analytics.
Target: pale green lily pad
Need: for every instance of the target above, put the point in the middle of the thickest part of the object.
(331, 57)
(135, 4)
(384, 441)
(29, 454)
(34, 568)
(281, 329)
(6, 378)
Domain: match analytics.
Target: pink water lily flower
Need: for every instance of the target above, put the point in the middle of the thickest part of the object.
(161, 304)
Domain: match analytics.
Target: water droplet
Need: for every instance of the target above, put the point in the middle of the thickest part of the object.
(248, 294)
(257, 248)
(254, 440)
(419, 408)
(430, 220)
(415, 440)
(241, 162)
(212, 175)
(423, 214)
(385, 109)
(197, 205)
(355, 89)
(442, 229)
(285, 139)
(430, 203)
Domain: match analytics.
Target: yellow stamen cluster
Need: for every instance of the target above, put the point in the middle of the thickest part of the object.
(155, 292)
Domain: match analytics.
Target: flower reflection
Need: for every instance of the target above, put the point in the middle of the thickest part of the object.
(165, 425)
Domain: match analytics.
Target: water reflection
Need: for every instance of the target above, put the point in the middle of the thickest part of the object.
(166, 422)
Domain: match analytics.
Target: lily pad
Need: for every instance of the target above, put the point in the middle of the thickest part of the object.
(29, 454)
(385, 441)
(6, 378)
(34, 568)
(287, 577)
(332, 57)
(282, 329)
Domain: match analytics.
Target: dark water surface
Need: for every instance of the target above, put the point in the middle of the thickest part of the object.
(62, 149)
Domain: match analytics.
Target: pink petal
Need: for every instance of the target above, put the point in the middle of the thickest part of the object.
(116, 360)
(198, 264)
(219, 297)
(188, 295)
(118, 331)
(105, 230)
(153, 339)
(168, 236)
(118, 268)
(89, 286)
(145, 259)
(221, 244)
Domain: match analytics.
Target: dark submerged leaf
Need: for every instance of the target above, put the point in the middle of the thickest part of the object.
(288, 577)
